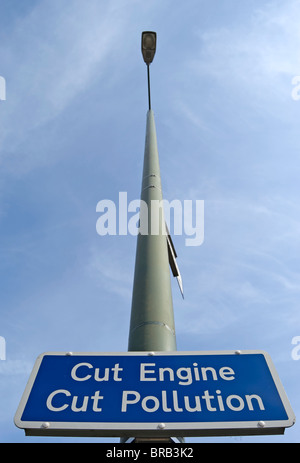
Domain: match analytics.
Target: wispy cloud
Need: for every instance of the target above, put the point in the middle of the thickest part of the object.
(58, 57)
(255, 59)
(246, 267)
(15, 367)
(109, 267)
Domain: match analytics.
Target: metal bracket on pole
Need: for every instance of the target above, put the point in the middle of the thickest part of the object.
(172, 260)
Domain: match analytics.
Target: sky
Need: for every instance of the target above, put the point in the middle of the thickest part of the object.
(72, 133)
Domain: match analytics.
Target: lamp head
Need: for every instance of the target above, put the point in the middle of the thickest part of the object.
(148, 46)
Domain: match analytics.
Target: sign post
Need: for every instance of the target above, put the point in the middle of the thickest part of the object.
(154, 394)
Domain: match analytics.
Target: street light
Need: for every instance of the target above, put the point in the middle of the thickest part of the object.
(148, 46)
(152, 326)
(148, 51)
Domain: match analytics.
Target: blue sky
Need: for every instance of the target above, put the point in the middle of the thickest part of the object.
(72, 133)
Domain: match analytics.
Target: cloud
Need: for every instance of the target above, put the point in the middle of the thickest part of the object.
(58, 58)
(109, 266)
(15, 367)
(246, 269)
(254, 58)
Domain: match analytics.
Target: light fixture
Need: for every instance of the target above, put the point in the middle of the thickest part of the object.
(148, 51)
(148, 46)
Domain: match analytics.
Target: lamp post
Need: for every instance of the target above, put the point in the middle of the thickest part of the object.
(152, 325)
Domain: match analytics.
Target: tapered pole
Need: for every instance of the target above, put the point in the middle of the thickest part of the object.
(152, 325)
(152, 320)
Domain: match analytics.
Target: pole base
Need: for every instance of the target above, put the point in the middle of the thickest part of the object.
(152, 440)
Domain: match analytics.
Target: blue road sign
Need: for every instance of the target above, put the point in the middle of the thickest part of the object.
(140, 394)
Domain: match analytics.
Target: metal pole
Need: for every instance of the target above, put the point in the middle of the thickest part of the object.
(149, 93)
(152, 325)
